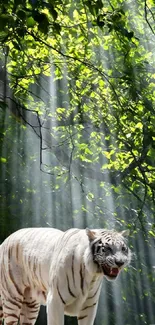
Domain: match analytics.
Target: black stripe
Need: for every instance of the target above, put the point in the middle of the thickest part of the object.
(15, 301)
(73, 269)
(81, 276)
(7, 307)
(11, 315)
(93, 248)
(71, 293)
(95, 292)
(89, 306)
(63, 301)
(33, 304)
(82, 317)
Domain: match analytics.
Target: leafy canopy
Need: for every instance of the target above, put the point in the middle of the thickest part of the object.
(97, 60)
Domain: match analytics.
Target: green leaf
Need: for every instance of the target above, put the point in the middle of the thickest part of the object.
(90, 196)
(152, 233)
(3, 160)
(30, 22)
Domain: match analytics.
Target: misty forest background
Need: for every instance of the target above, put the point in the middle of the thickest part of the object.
(77, 131)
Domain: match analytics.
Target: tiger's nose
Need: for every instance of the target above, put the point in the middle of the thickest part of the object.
(119, 264)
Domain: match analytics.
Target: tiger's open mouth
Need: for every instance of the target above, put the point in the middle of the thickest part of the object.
(112, 272)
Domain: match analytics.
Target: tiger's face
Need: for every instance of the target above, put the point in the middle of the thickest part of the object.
(110, 251)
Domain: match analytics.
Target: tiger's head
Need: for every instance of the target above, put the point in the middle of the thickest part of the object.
(109, 250)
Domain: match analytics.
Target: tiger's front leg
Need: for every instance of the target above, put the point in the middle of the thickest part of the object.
(55, 309)
(87, 314)
(88, 311)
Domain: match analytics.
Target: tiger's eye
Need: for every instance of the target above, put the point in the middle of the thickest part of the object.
(124, 249)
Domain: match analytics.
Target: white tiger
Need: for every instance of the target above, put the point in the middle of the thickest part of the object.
(63, 270)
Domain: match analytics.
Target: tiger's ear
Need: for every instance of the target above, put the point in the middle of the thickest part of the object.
(125, 233)
(90, 234)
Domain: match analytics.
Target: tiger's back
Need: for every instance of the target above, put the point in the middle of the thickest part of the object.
(25, 258)
(48, 266)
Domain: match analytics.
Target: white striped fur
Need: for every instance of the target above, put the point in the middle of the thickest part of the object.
(63, 270)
